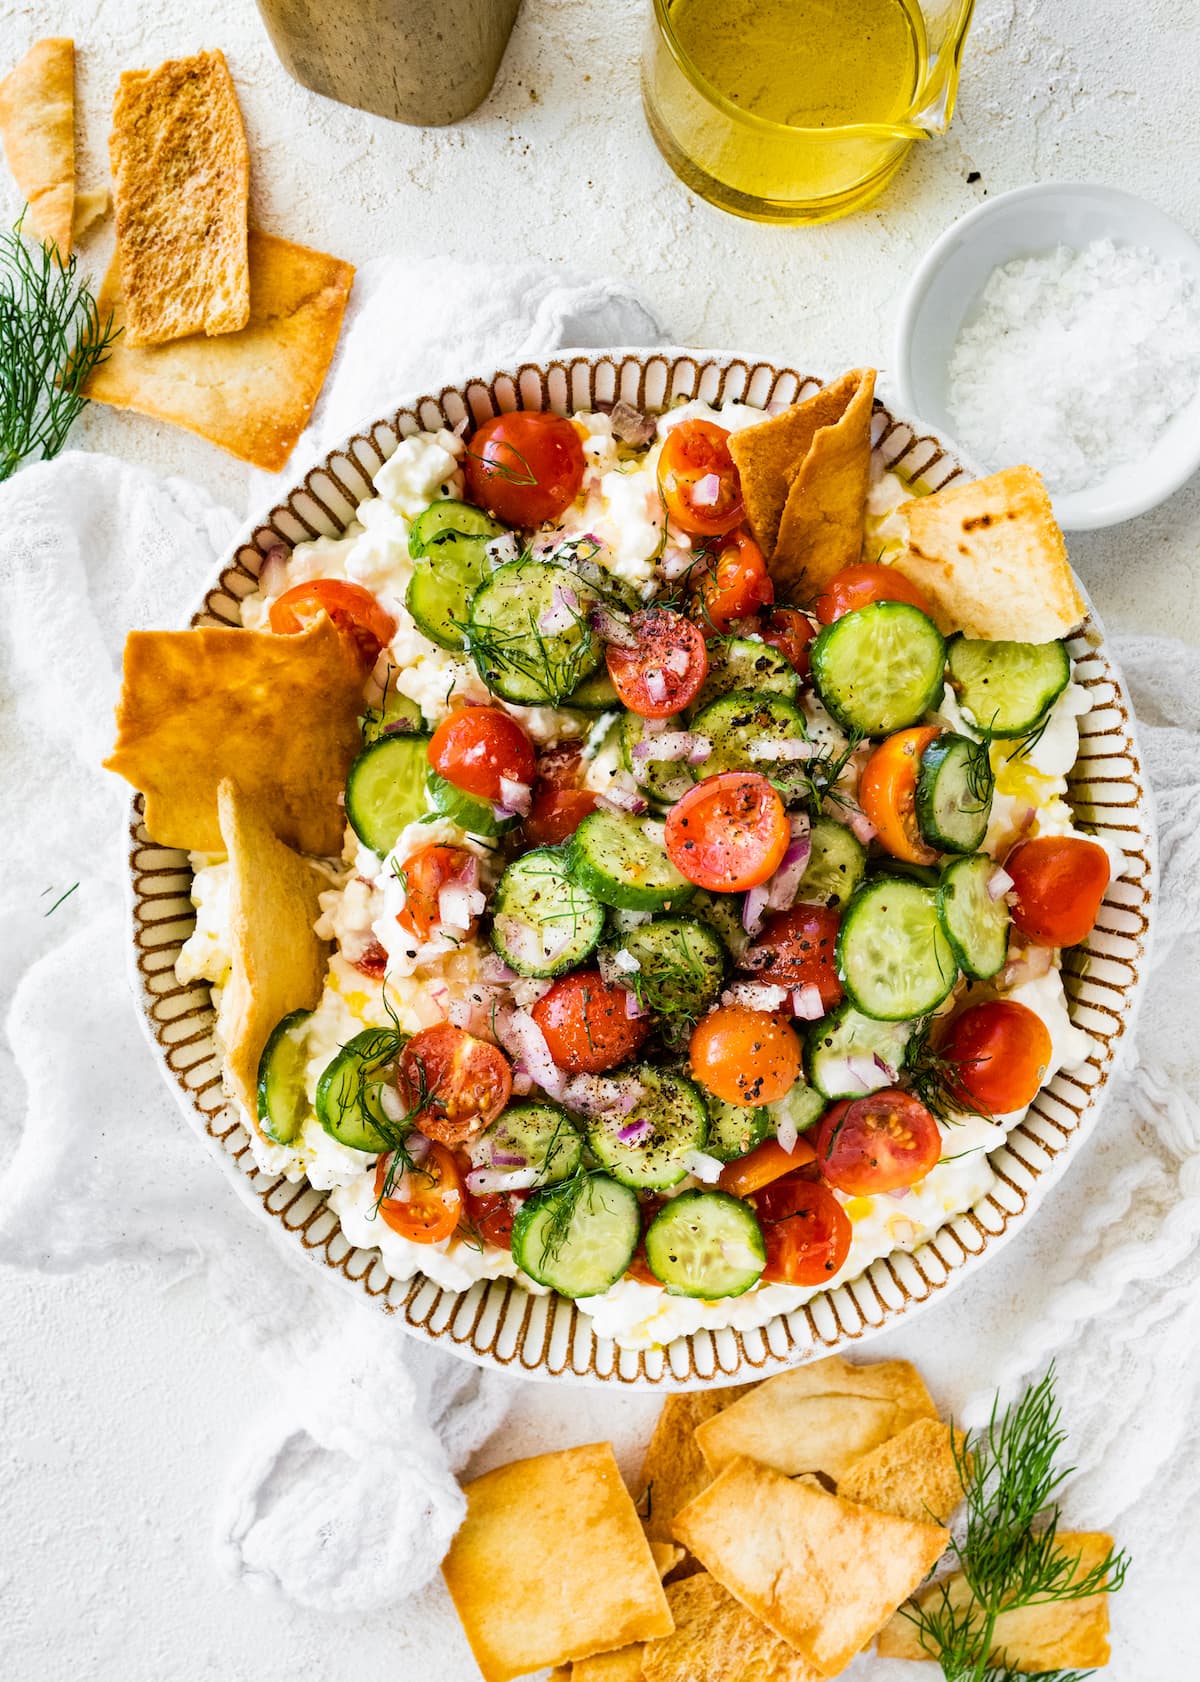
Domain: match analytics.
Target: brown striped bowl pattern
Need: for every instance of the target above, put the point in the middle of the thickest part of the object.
(497, 1322)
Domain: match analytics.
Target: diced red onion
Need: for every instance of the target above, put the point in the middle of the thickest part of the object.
(500, 550)
(677, 661)
(706, 492)
(1029, 965)
(522, 1084)
(656, 685)
(781, 889)
(610, 627)
(272, 574)
(461, 1013)
(884, 1067)
(674, 745)
(598, 1095)
(392, 1103)
(525, 1043)
(856, 1071)
(515, 796)
(754, 909)
(481, 1181)
(508, 1159)
(786, 1131)
(626, 962)
(562, 612)
(458, 906)
(705, 1168)
(629, 424)
(633, 1006)
(999, 884)
(634, 1132)
(654, 726)
(675, 561)
(788, 751)
(619, 800)
(493, 968)
(862, 827)
(807, 1003)
(755, 995)
(799, 824)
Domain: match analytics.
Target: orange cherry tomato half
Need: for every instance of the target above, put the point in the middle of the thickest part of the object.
(791, 632)
(862, 584)
(698, 479)
(426, 872)
(766, 1162)
(728, 833)
(474, 747)
(887, 793)
(1059, 882)
(525, 468)
(586, 1024)
(432, 1202)
(796, 948)
(806, 1231)
(998, 1054)
(491, 1214)
(556, 813)
(734, 583)
(453, 1084)
(353, 610)
(883, 1142)
(664, 672)
(744, 1056)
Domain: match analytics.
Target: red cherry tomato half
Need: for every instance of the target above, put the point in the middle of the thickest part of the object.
(586, 1024)
(887, 793)
(426, 872)
(475, 747)
(560, 767)
(734, 583)
(431, 1204)
(525, 468)
(998, 1053)
(491, 1214)
(744, 1056)
(728, 833)
(353, 610)
(699, 480)
(664, 672)
(796, 948)
(453, 1084)
(791, 632)
(556, 813)
(862, 584)
(805, 1229)
(1059, 882)
(883, 1142)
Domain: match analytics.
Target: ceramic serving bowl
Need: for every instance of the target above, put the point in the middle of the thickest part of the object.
(498, 1322)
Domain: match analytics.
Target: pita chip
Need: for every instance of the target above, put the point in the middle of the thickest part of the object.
(1057, 1635)
(821, 1417)
(37, 122)
(276, 714)
(251, 392)
(715, 1637)
(674, 1469)
(91, 206)
(913, 1474)
(990, 557)
(823, 1573)
(622, 1665)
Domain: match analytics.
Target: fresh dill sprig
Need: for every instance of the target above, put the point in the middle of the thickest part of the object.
(980, 779)
(814, 780)
(553, 666)
(563, 1205)
(937, 1080)
(59, 900)
(1024, 745)
(524, 475)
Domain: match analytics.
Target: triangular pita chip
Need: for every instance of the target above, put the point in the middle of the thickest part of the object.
(673, 1470)
(715, 1637)
(277, 714)
(622, 1665)
(913, 1474)
(250, 392)
(37, 122)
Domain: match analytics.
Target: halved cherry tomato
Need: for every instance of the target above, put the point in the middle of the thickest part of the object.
(1059, 881)
(639, 1268)
(372, 960)
(525, 468)
(561, 766)
(491, 1214)
(861, 584)
(426, 872)
(734, 583)
(806, 1231)
(432, 1204)
(452, 1084)
(998, 1053)
(887, 793)
(796, 948)
(744, 1056)
(353, 610)
(728, 833)
(791, 632)
(766, 1162)
(586, 1024)
(475, 747)
(883, 1142)
(664, 672)
(556, 813)
(698, 479)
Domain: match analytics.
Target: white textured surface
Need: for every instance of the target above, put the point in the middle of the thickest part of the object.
(121, 1391)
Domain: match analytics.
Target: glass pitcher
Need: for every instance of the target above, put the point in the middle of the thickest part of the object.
(901, 75)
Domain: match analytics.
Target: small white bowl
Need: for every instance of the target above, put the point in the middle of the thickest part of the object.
(1027, 222)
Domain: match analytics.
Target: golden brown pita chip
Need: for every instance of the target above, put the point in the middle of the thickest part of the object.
(623, 1665)
(716, 1638)
(990, 557)
(37, 122)
(1061, 1635)
(91, 207)
(277, 963)
(822, 524)
(250, 392)
(666, 1555)
(823, 1573)
(181, 182)
(674, 1469)
(817, 1418)
(585, 1582)
(913, 1474)
(276, 714)
(767, 456)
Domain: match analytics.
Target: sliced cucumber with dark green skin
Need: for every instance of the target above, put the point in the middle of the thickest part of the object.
(743, 728)
(735, 1129)
(595, 694)
(954, 793)
(802, 1105)
(836, 864)
(543, 923)
(387, 789)
(1006, 688)
(662, 780)
(613, 856)
(578, 1238)
(743, 663)
(669, 1120)
(395, 715)
(722, 912)
(448, 543)
(681, 965)
(541, 1135)
(468, 811)
(349, 1093)
(282, 1101)
(879, 668)
(892, 953)
(514, 656)
(846, 1033)
(977, 926)
(706, 1244)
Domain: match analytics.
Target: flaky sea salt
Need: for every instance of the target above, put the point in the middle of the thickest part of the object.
(1075, 361)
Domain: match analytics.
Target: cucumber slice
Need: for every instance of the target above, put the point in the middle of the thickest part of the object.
(664, 780)
(734, 1129)
(743, 663)
(543, 923)
(541, 1134)
(513, 655)
(954, 793)
(681, 965)
(742, 728)
(387, 789)
(448, 543)
(577, 1239)
(617, 860)
(880, 667)
(847, 1033)
(976, 925)
(836, 865)
(722, 912)
(678, 1119)
(1005, 688)
(468, 811)
(595, 694)
(892, 953)
(706, 1244)
(282, 1102)
(801, 1104)
(349, 1105)
(395, 715)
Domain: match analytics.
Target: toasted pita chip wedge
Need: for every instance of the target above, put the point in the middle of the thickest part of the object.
(823, 1573)
(585, 1582)
(990, 557)
(767, 456)
(823, 521)
(715, 1637)
(1060, 1635)
(818, 1418)
(91, 207)
(913, 1474)
(250, 392)
(277, 963)
(623, 1665)
(37, 123)
(674, 1469)
(276, 714)
(666, 1555)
